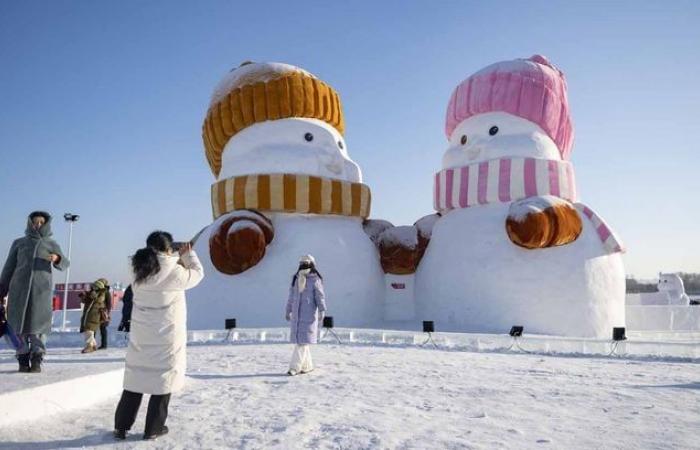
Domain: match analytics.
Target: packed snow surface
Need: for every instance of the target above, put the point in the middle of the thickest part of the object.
(405, 236)
(375, 397)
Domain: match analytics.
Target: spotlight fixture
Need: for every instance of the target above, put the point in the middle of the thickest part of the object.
(516, 330)
(328, 322)
(619, 334)
(328, 325)
(429, 328)
(230, 325)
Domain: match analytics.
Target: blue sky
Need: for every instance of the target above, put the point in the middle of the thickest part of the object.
(101, 106)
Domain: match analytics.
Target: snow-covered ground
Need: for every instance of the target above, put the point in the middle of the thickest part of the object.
(387, 397)
(60, 364)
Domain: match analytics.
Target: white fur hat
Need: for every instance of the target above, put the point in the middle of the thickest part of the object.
(308, 259)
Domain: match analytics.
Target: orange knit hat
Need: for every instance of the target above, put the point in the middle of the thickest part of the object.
(256, 92)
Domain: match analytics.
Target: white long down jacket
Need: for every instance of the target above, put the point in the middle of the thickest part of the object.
(156, 358)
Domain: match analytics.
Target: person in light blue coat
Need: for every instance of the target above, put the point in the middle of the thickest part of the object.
(306, 307)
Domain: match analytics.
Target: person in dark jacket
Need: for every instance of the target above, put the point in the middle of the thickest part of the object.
(128, 303)
(105, 318)
(306, 307)
(27, 279)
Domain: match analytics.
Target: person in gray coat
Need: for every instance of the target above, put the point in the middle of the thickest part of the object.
(306, 307)
(27, 280)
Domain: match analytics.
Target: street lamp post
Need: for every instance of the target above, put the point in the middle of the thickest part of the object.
(71, 219)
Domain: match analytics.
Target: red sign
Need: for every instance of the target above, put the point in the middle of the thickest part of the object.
(74, 289)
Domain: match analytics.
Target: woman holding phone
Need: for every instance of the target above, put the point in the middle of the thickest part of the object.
(156, 356)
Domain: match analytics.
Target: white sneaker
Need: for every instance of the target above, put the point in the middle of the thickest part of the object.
(291, 372)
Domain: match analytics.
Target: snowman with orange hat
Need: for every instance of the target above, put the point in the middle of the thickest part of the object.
(513, 245)
(284, 186)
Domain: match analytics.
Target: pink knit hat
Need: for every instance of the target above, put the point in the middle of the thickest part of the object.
(529, 88)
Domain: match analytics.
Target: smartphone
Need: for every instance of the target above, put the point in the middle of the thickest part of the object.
(178, 245)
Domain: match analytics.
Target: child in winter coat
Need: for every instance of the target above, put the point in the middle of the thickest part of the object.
(306, 306)
(94, 311)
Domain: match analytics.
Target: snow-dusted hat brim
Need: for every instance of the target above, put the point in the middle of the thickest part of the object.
(293, 94)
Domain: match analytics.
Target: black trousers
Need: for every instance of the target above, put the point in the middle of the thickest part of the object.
(128, 407)
(103, 335)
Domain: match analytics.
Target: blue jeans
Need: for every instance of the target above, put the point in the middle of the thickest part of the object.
(32, 343)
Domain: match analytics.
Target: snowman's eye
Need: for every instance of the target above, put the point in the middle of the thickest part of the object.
(493, 130)
(463, 140)
(340, 144)
(309, 137)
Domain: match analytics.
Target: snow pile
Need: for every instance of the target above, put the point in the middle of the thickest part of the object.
(241, 225)
(403, 236)
(375, 227)
(239, 76)
(520, 209)
(425, 225)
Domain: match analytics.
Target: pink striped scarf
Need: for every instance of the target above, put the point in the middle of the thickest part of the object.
(502, 181)
(506, 180)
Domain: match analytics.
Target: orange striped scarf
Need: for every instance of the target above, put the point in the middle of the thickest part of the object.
(290, 193)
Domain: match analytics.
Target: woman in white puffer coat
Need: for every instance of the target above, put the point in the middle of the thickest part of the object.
(156, 358)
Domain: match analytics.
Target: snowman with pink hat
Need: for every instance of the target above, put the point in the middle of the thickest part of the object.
(513, 245)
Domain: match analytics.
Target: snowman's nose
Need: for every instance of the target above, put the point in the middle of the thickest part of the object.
(473, 152)
(334, 164)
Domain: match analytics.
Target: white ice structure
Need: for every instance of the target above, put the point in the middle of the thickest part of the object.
(666, 311)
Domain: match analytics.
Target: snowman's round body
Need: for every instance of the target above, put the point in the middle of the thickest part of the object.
(474, 278)
(345, 256)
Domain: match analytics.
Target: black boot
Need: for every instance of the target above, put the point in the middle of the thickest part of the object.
(36, 363)
(120, 434)
(23, 362)
(104, 338)
(154, 436)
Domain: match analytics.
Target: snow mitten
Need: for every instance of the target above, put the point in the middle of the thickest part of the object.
(374, 227)
(400, 250)
(542, 222)
(238, 242)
